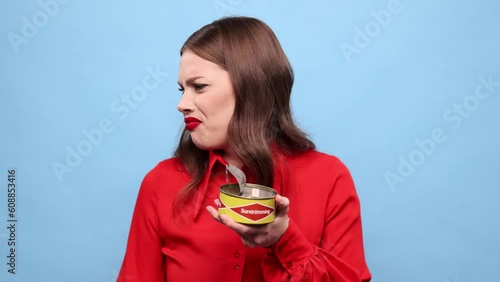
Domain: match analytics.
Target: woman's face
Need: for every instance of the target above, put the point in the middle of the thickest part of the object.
(207, 101)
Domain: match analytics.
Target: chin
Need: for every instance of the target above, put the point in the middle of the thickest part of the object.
(208, 147)
(209, 142)
(204, 146)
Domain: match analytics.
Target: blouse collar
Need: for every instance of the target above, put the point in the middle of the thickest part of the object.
(213, 159)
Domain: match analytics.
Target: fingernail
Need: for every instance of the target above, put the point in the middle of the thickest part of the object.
(223, 218)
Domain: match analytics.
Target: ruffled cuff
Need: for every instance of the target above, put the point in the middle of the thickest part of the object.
(293, 247)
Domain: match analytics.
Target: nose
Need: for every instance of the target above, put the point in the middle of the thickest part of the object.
(185, 105)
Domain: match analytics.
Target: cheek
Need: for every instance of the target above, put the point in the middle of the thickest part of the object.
(223, 110)
(229, 110)
(229, 106)
(228, 114)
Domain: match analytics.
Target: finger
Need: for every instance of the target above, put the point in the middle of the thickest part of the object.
(241, 229)
(218, 203)
(248, 243)
(213, 212)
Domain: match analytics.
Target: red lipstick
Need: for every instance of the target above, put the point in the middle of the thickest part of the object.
(191, 123)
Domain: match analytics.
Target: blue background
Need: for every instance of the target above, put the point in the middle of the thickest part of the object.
(438, 222)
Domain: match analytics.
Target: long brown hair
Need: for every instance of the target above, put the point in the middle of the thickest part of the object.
(262, 80)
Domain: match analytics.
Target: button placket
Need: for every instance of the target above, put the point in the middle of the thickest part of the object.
(237, 259)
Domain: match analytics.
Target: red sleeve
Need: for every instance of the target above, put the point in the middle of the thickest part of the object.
(340, 256)
(143, 257)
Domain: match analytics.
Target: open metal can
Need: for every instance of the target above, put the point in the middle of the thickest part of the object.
(254, 205)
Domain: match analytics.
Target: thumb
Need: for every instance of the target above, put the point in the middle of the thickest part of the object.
(282, 204)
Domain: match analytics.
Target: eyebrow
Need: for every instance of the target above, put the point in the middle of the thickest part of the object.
(190, 80)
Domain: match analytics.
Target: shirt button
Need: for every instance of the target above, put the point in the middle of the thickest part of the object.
(236, 254)
(236, 266)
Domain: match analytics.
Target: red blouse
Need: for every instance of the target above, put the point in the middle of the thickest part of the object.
(322, 243)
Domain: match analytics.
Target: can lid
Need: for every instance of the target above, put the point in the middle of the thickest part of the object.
(249, 191)
(238, 174)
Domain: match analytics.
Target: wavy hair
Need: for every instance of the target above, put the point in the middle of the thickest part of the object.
(262, 80)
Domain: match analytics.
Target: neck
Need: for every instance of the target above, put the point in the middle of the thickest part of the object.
(232, 158)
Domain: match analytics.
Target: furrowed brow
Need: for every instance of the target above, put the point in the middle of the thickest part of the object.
(190, 80)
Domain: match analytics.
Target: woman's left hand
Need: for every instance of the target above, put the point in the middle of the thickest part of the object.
(258, 235)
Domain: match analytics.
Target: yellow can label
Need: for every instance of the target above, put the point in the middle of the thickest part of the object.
(248, 210)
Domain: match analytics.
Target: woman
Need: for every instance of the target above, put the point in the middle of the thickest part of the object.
(236, 83)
